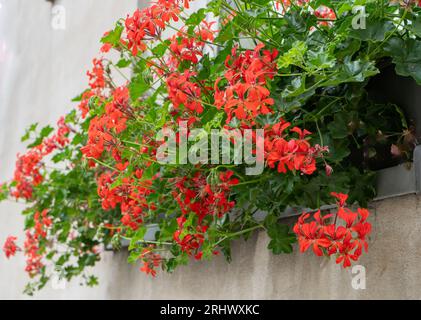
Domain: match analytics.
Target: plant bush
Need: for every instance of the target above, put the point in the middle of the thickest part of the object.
(297, 69)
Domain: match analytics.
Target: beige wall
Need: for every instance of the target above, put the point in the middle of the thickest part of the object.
(42, 69)
(392, 268)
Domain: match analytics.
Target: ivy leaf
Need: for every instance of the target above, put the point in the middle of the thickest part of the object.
(150, 171)
(3, 192)
(205, 71)
(339, 128)
(227, 33)
(415, 27)
(220, 58)
(137, 87)
(138, 236)
(79, 97)
(123, 63)
(351, 71)
(196, 18)
(113, 37)
(281, 238)
(374, 31)
(321, 59)
(45, 132)
(160, 49)
(296, 22)
(407, 56)
(294, 56)
(92, 281)
(28, 132)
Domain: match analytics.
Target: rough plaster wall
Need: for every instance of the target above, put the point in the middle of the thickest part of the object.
(44, 69)
(392, 267)
(41, 70)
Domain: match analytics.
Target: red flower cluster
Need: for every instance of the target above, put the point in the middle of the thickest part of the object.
(286, 4)
(27, 173)
(31, 246)
(84, 104)
(150, 260)
(102, 128)
(28, 166)
(97, 75)
(181, 91)
(292, 154)
(34, 258)
(345, 240)
(246, 95)
(191, 238)
(325, 13)
(129, 195)
(184, 47)
(204, 31)
(97, 83)
(147, 24)
(198, 197)
(60, 139)
(322, 12)
(10, 247)
(42, 223)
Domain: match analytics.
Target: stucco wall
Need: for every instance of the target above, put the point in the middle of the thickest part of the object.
(42, 69)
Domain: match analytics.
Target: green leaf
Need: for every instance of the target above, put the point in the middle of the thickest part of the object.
(28, 132)
(137, 87)
(161, 48)
(350, 71)
(339, 127)
(294, 56)
(3, 192)
(123, 63)
(138, 236)
(321, 59)
(406, 55)
(415, 26)
(296, 21)
(150, 171)
(196, 18)
(374, 31)
(114, 36)
(45, 132)
(205, 70)
(281, 238)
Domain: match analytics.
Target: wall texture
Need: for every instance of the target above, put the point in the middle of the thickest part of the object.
(42, 69)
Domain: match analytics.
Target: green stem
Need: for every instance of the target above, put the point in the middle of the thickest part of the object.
(390, 35)
(239, 233)
(159, 243)
(252, 181)
(102, 164)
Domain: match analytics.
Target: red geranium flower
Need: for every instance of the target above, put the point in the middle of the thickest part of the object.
(345, 239)
(246, 96)
(10, 247)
